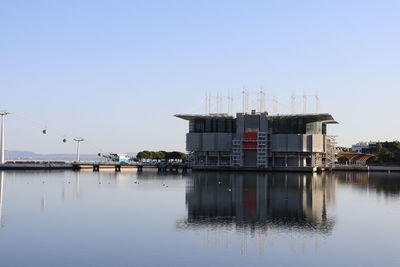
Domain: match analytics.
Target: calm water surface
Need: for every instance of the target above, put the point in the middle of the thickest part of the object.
(199, 219)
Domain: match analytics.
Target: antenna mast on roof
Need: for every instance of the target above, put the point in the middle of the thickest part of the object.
(275, 104)
(245, 100)
(217, 103)
(220, 103)
(228, 98)
(206, 104)
(304, 102)
(261, 101)
(317, 102)
(293, 100)
(209, 103)
(230, 103)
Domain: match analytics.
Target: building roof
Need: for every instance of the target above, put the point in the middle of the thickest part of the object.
(324, 117)
(204, 116)
(355, 156)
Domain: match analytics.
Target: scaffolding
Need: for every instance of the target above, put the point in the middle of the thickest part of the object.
(330, 151)
(237, 153)
(262, 150)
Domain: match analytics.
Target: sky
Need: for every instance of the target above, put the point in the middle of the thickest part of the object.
(115, 72)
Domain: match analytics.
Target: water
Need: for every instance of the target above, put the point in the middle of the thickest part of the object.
(201, 219)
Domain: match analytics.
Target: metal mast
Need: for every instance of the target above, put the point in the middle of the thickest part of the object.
(2, 114)
(304, 103)
(293, 100)
(78, 140)
(317, 102)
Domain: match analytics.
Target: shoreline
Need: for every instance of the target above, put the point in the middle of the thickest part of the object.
(104, 165)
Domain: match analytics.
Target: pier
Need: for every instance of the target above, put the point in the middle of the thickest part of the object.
(95, 166)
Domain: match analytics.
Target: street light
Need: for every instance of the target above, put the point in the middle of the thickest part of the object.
(2, 114)
(78, 140)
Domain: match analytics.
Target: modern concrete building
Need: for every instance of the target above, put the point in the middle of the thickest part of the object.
(259, 140)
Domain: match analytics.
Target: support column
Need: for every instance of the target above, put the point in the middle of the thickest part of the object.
(2, 158)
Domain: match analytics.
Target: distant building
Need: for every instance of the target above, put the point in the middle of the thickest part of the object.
(117, 157)
(365, 147)
(260, 140)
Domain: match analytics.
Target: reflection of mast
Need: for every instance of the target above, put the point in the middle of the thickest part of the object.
(244, 241)
(43, 202)
(63, 192)
(1, 197)
(78, 193)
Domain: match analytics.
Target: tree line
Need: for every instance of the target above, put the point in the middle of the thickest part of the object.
(387, 152)
(158, 155)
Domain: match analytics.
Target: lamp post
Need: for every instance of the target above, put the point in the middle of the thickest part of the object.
(78, 140)
(2, 114)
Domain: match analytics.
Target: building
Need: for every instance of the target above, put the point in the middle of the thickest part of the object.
(260, 140)
(365, 147)
(117, 157)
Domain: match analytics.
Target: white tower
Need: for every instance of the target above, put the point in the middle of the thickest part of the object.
(78, 140)
(2, 114)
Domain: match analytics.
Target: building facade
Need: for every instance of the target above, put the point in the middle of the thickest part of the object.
(259, 140)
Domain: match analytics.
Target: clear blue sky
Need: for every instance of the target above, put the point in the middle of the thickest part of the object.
(115, 72)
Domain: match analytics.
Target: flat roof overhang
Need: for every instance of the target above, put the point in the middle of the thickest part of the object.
(323, 117)
(205, 116)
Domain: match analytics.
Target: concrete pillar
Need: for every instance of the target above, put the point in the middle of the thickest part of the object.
(2, 159)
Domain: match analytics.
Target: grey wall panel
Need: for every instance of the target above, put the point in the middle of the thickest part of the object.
(210, 142)
(239, 126)
(263, 123)
(309, 143)
(279, 142)
(193, 142)
(297, 143)
(224, 141)
(294, 143)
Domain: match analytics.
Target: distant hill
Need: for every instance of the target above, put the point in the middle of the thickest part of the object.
(28, 155)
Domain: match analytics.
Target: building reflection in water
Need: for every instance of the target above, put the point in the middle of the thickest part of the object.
(382, 183)
(255, 204)
(260, 201)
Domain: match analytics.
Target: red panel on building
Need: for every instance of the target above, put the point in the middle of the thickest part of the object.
(250, 141)
(250, 136)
